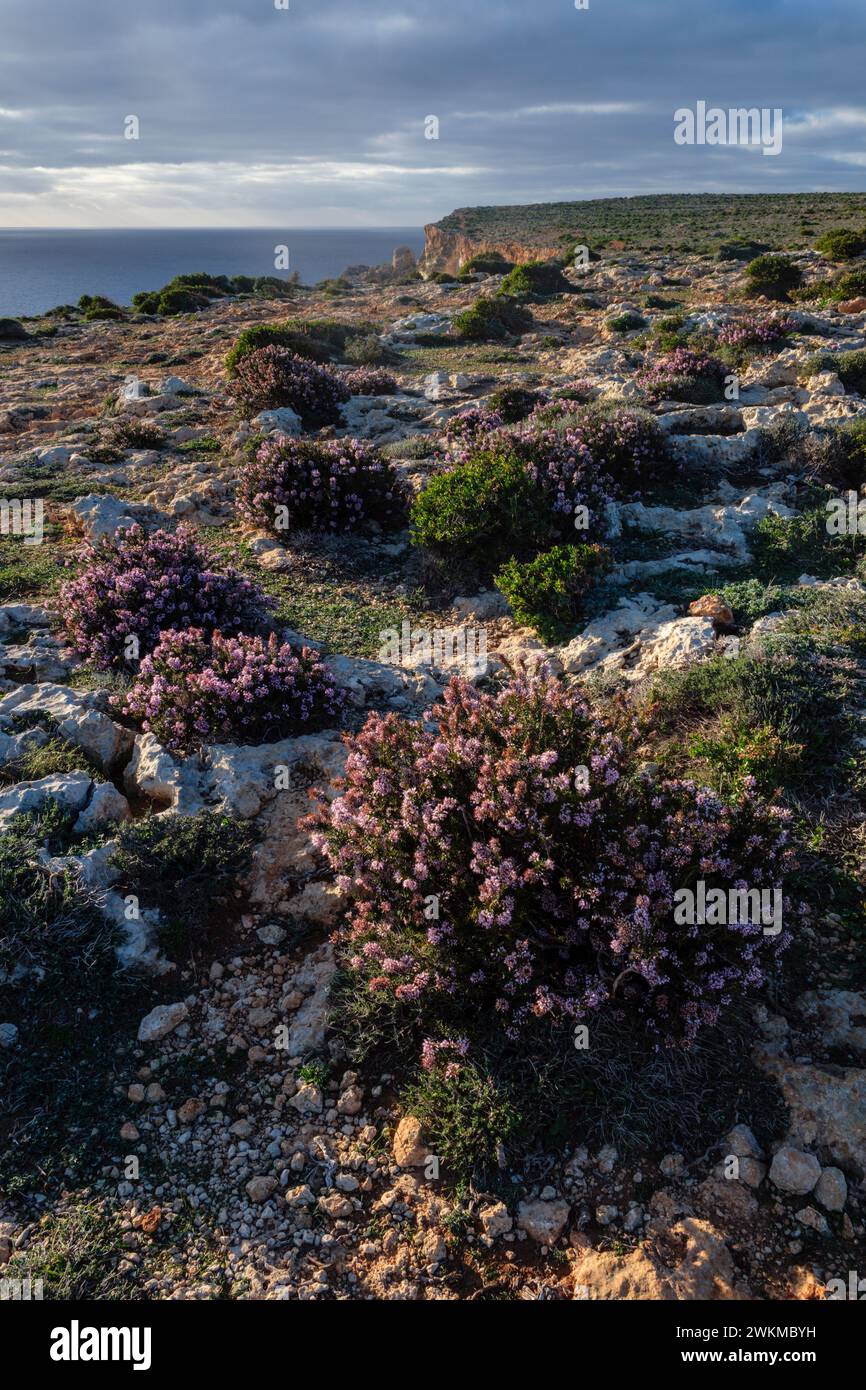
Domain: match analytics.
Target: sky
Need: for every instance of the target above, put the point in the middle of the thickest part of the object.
(311, 113)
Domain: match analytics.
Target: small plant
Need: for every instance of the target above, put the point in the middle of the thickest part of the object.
(755, 333)
(683, 375)
(772, 276)
(12, 331)
(850, 367)
(513, 403)
(181, 865)
(841, 244)
(851, 285)
(554, 887)
(627, 322)
(786, 547)
(481, 511)
(132, 586)
(313, 1074)
(535, 280)
(367, 350)
(365, 381)
(194, 689)
(327, 485)
(492, 319)
(95, 306)
(272, 377)
(546, 593)
(130, 432)
(486, 263)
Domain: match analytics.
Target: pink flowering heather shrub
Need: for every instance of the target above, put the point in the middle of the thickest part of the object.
(755, 332)
(470, 430)
(552, 868)
(135, 585)
(566, 472)
(683, 375)
(626, 444)
(325, 485)
(274, 377)
(367, 381)
(196, 689)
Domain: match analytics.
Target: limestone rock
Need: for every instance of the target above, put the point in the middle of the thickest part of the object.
(161, 1021)
(543, 1222)
(689, 1262)
(794, 1171)
(409, 1148)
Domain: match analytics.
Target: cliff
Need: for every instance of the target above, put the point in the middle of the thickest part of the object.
(446, 248)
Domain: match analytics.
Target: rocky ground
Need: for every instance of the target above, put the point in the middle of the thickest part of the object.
(249, 1158)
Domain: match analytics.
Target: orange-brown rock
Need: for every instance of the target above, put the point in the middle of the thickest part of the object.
(690, 1261)
(711, 606)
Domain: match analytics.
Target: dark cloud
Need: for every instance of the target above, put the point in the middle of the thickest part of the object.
(253, 114)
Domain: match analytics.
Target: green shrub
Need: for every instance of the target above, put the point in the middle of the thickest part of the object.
(513, 403)
(486, 263)
(851, 285)
(96, 306)
(273, 335)
(180, 301)
(535, 279)
(492, 319)
(841, 244)
(546, 593)
(849, 366)
(467, 1117)
(772, 276)
(366, 350)
(182, 865)
(482, 512)
(785, 547)
(740, 249)
(628, 322)
(12, 331)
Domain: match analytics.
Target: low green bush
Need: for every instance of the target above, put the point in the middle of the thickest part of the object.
(482, 512)
(492, 319)
(772, 276)
(547, 592)
(535, 279)
(850, 367)
(841, 244)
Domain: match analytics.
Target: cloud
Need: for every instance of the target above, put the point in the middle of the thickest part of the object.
(253, 115)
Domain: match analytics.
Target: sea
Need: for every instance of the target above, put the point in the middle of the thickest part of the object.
(41, 268)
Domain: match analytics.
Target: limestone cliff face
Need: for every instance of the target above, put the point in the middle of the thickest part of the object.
(446, 250)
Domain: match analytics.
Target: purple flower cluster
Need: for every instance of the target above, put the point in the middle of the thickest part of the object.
(754, 332)
(370, 381)
(318, 485)
(626, 444)
(274, 377)
(468, 432)
(197, 688)
(566, 472)
(678, 369)
(552, 866)
(132, 585)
